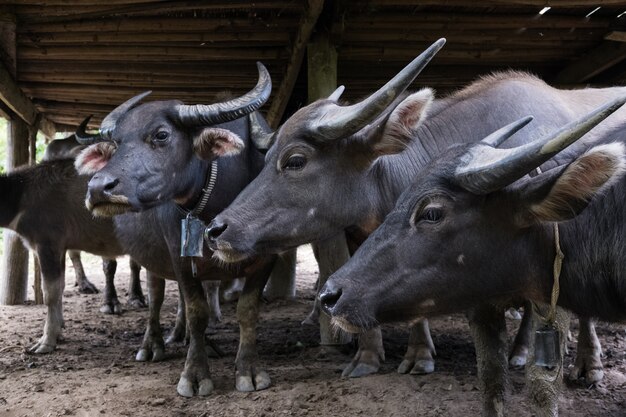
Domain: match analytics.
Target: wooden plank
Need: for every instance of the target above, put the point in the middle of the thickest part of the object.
(164, 24)
(593, 63)
(161, 8)
(307, 23)
(147, 53)
(81, 38)
(8, 42)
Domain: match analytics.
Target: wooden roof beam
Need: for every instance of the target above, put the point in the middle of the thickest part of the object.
(307, 24)
(21, 105)
(598, 60)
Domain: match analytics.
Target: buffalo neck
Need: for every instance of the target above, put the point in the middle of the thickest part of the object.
(194, 179)
(592, 281)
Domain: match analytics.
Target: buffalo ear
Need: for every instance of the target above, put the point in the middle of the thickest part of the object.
(564, 192)
(213, 142)
(400, 125)
(94, 157)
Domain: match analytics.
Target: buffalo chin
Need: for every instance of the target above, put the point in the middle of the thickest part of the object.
(345, 325)
(229, 256)
(109, 209)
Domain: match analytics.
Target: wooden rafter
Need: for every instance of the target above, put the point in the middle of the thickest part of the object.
(597, 60)
(16, 100)
(298, 48)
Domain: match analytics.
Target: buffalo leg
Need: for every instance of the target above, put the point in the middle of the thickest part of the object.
(519, 352)
(110, 302)
(179, 333)
(84, 285)
(418, 359)
(248, 376)
(232, 291)
(588, 362)
(53, 272)
(282, 281)
(544, 384)
(212, 290)
(488, 330)
(135, 294)
(368, 357)
(152, 347)
(195, 378)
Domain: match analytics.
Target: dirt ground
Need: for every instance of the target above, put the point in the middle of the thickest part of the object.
(93, 371)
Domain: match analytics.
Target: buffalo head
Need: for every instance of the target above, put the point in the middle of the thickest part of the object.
(320, 163)
(467, 229)
(148, 154)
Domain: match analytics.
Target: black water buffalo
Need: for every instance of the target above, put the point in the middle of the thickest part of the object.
(334, 168)
(471, 229)
(161, 153)
(44, 205)
(69, 148)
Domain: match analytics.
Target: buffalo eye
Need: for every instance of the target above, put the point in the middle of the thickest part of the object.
(295, 162)
(161, 136)
(430, 214)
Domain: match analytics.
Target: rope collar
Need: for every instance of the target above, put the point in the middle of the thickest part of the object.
(556, 274)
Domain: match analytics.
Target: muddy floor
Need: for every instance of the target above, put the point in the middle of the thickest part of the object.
(93, 372)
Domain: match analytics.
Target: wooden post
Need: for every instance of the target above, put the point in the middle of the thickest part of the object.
(14, 265)
(322, 67)
(332, 253)
(32, 145)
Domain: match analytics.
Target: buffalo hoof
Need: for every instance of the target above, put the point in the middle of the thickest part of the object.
(112, 307)
(417, 367)
(137, 302)
(154, 352)
(42, 347)
(519, 357)
(252, 381)
(188, 387)
(87, 287)
(364, 363)
(177, 335)
(588, 368)
(512, 314)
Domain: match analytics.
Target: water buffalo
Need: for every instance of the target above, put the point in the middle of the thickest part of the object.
(44, 205)
(471, 229)
(159, 158)
(334, 168)
(69, 148)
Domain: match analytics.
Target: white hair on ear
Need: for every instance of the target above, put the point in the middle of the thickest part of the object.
(590, 174)
(94, 157)
(214, 142)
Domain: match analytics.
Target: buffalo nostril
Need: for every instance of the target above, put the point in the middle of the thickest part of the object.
(214, 230)
(111, 184)
(329, 295)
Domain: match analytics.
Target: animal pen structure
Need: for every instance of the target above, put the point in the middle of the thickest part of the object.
(62, 60)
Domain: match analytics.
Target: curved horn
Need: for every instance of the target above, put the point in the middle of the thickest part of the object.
(108, 124)
(260, 133)
(350, 119)
(337, 93)
(499, 136)
(85, 138)
(486, 169)
(201, 114)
